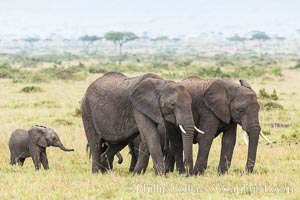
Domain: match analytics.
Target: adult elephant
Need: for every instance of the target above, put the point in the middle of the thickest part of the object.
(218, 106)
(115, 109)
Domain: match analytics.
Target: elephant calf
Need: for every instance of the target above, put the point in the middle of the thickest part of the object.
(33, 143)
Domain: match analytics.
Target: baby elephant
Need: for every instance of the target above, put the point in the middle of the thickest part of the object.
(33, 143)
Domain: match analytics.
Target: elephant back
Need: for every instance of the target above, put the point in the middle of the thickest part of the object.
(111, 111)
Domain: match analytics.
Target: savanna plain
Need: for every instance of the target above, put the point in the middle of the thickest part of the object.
(47, 90)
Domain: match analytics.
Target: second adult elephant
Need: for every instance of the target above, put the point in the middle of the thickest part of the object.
(116, 108)
(218, 106)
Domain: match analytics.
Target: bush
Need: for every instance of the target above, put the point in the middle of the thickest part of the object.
(31, 89)
(6, 71)
(248, 72)
(71, 73)
(263, 94)
(183, 63)
(64, 122)
(97, 69)
(276, 71)
(273, 106)
(159, 65)
(274, 95)
(297, 66)
(77, 112)
(211, 72)
(266, 132)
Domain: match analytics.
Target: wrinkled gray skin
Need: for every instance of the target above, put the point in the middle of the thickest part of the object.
(116, 108)
(33, 143)
(218, 106)
(134, 149)
(105, 147)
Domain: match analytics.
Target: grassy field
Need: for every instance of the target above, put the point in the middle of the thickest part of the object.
(276, 175)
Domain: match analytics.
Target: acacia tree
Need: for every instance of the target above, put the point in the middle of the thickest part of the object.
(161, 40)
(279, 40)
(120, 38)
(260, 37)
(237, 39)
(90, 39)
(31, 41)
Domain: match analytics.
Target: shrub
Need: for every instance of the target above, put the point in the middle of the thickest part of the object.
(273, 106)
(276, 71)
(274, 95)
(266, 132)
(71, 73)
(97, 69)
(40, 78)
(159, 65)
(6, 71)
(297, 66)
(211, 72)
(31, 89)
(263, 94)
(77, 112)
(63, 122)
(183, 63)
(248, 72)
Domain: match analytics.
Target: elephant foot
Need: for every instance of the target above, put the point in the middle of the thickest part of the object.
(198, 171)
(222, 171)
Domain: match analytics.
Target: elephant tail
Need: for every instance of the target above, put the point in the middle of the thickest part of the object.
(88, 153)
(120, 158)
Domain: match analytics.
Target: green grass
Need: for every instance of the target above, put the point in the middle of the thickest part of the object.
(276, 174)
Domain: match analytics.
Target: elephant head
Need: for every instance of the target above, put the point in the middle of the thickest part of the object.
(163, 100)
(236, 103)
(44, 137)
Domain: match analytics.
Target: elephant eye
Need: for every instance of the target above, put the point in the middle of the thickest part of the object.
(172, 105)
(240, 110)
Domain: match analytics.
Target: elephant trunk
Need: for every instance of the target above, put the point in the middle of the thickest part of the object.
(61, 146)
(187, 141)
(252, 148)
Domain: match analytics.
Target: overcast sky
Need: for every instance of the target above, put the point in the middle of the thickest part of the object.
(157, 17)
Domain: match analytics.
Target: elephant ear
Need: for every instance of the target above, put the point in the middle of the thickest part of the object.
(245, 84)
(216, 99)
(145, 98)
(37, 135)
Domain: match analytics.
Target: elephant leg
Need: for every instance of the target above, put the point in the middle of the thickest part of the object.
(169, 160)
(210, 126)
(134, 151)
(112, 150)
(13, 158)
(44, 159)
(94, 142)
(177, 149)
(142, 159)
(21, 161)
(36, 157)
(228, 143)
(149, 135)
(96, 153)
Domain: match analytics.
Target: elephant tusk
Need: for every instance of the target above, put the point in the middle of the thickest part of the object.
(198, 130)
(182, 129)
(245, 137)
(265, 137)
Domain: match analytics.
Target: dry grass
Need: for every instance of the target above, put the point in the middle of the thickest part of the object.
(276, 176)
